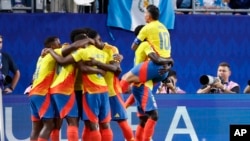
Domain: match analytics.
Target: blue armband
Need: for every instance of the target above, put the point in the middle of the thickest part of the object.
(137, 41)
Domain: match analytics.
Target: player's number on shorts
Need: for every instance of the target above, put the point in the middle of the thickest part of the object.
(164, 44)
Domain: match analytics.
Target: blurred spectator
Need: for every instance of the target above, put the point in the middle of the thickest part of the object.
(238, 4)
(170, 85)
(63, 6)
(183, 4)
(103, 6)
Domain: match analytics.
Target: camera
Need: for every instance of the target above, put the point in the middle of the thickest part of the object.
(5, 80)
(208, 79)
(168, 80)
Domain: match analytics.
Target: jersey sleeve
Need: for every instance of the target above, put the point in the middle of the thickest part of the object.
(78, 54)
(142, 34)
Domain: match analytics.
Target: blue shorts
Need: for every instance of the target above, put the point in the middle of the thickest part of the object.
(65, 105)
(96, 107)
(148, 70)
(144, 99)
(118, 110)
(41, 107)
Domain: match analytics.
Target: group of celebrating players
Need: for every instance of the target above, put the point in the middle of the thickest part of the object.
(80, 81)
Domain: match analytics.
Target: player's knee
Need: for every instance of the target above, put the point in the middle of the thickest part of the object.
(93, 126)
(104, 125)
(72, 121)
(143, 120)
(153, 115)
(130, 77)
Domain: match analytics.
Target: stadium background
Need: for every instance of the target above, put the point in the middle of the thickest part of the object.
(199, 43)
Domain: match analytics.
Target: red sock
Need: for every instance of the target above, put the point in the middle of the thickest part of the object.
(85, 134)
(130, 101)
(126, 130)
(124, 85)
(149, 129)
(94, 135)
(107, 134)
(72, 133)
(54, 135)
(139, 133)
(41, 139)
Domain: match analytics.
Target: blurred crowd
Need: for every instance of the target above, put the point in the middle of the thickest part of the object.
(236, 7)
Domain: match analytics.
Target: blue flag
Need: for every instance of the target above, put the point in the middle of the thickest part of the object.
(128, 14)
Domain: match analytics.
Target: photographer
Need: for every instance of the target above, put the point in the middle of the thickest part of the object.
(169, 86)
(221, 83)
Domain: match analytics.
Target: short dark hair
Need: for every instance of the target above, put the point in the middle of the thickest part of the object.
(154, 11)
(76, 32)
(172, 73)
(80, 36)
(224, 64)
(138, 29)
(49, 40)
(91, 33)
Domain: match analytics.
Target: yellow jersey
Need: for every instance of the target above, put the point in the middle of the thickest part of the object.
(93, 83)
(112, 80)
(158, 37)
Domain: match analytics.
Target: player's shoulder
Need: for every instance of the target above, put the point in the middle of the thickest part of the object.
(109, 46)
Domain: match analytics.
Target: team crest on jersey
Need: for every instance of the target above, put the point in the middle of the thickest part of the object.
(142, 4)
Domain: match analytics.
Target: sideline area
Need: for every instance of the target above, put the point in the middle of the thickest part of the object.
(187, 117)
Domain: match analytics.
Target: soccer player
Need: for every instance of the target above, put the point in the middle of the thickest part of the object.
(63, 98)
(42, 112)
(95, 99)
(142, 92)
(118, 111)
(158, 37)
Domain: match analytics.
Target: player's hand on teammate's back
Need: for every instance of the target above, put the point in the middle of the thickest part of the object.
(91, 62)
(118, 57)
(45, 51)
(102, 72)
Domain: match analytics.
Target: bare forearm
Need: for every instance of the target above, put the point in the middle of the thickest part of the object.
(158, 60)
(205, 90)
(247, 89)
(67, 50)
(90, 70)
(108, 67)
(15, 79)
(134, 46)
